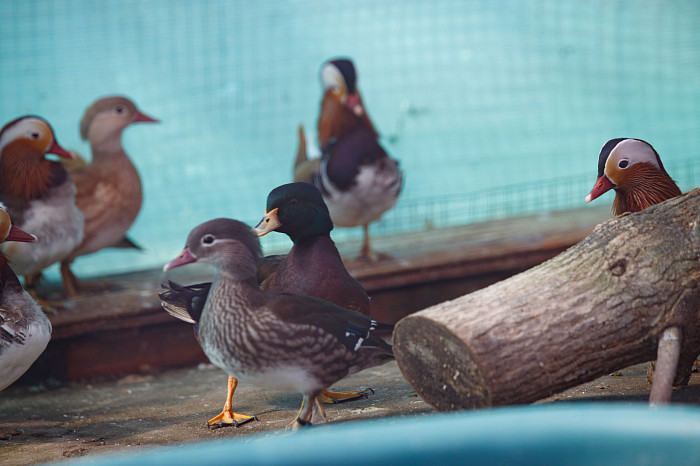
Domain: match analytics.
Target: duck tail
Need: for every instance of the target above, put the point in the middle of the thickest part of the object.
(304, 168)
(301, 149)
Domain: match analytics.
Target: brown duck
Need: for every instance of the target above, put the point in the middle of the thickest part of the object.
(633, 168)
(275, 340)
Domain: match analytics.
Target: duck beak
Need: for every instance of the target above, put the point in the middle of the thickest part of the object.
(142, 117)
(19, 235)
(269, 222)
(353, 102)
(184, 258)
(56, 149)
(602, 186)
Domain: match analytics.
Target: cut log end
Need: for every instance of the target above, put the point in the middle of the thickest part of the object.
(439, 366)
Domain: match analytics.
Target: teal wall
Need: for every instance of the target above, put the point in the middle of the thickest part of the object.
(498, 107)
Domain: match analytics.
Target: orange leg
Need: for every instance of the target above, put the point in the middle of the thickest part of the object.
(311, 411)
(70, 282)
(228, 417)
(366, 253)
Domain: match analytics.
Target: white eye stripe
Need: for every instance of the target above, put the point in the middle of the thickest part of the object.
(215, 240)
(22, 128)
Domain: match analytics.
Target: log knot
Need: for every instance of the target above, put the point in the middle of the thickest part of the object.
(619, 267)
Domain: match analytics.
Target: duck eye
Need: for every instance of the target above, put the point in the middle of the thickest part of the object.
(624, 163)
(35, 134)
(208, 239)
(293, 202)
(119, 109)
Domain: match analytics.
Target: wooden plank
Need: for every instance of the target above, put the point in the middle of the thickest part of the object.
(121, 330)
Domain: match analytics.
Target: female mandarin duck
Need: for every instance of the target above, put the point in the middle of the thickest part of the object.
(313, 267)
(276, 340)
(634, 170)
(39, 195)
(358, 179)
(109, 187)
(24, 329)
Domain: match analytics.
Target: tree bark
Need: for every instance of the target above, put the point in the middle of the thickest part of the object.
(598, 307)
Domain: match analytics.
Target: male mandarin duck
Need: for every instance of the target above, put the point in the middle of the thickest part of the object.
(276, 340)
(358, 179)
(313, 267)
(39, 195)
(24, 328)
(634, 170)
(109, 187)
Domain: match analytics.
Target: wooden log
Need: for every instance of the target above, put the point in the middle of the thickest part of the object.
(600, 306)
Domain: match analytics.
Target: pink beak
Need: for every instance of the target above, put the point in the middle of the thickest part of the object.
(184, 258)
(352, 101)
(144, 118)
(19, 235)
(60, 151)
(602, 186)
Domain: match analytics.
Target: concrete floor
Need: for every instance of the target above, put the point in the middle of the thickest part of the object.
(61, 422)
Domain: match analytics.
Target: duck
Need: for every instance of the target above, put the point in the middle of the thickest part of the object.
(25, 330)
(109, 187)
(40, 197)
(633, 168)
(313, 267)
(276, 340)
(358, 179)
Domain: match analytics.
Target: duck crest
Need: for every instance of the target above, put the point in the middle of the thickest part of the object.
(27, 178)
(645, 186)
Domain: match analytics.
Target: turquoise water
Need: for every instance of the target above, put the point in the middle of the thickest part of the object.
(485, 103)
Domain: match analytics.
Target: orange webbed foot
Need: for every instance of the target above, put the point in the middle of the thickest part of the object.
(228, 417)
(329, 397)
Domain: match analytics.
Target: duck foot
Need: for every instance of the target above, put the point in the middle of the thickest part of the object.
(73, 287)
(373, 256)
(299, 424)
(229, 418)
(328, 397)
(47, 305)
(8, 434)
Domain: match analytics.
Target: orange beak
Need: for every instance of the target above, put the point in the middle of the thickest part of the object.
(269, 222)
(353, 102)
(602, 186)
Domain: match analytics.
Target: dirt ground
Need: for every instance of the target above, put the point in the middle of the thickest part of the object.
(60, 422)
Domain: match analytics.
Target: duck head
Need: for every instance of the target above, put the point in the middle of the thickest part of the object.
(297, 210)
(9, 232)
(25, 171)
(229, 245)
(339, 78)
(104, 121)
(633, 168)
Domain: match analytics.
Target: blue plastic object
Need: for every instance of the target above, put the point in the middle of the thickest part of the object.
(572, 434)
